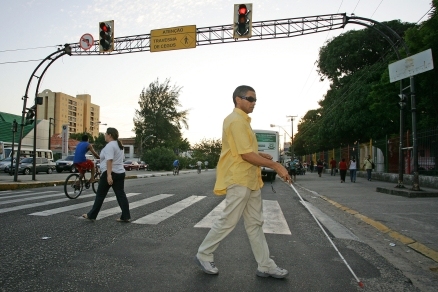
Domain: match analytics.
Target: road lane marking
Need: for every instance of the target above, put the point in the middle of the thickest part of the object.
(169, 211)
(274, 220)
(30, 198)
(136, 204)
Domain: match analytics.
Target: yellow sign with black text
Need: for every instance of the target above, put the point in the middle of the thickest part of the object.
(173, 38)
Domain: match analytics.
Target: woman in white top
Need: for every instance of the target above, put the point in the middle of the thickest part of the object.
(353, 168)
(113, 175)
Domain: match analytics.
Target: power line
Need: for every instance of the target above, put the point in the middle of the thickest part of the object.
(14, 50)
(376, 9)
(13, 62)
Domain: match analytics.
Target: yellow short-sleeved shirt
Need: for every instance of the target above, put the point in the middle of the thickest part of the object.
(237, 139)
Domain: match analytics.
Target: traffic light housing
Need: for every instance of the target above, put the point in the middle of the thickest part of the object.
(30, 116)
(106, 36)
(242, 20)
(403, 99)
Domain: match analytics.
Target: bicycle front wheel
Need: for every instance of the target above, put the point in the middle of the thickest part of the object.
(73, 186)
(96, 182)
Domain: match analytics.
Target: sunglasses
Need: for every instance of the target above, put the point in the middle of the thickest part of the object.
(249, 98)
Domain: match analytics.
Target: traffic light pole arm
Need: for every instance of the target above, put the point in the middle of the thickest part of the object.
(66, 50)
(261, 30)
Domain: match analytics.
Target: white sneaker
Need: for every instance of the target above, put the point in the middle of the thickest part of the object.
(207, 267)
(277, 272)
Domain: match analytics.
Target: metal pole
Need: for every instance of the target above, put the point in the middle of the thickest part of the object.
(416, 181)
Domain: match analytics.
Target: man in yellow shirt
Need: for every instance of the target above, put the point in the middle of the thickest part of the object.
(239, 178)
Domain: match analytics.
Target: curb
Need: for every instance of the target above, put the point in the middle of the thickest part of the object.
(409, 242)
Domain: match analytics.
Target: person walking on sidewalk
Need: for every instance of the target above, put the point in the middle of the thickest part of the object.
(342, 169)
(352, 167)
(239, 178)
(368, 165)
(333, 166)
(113, 175)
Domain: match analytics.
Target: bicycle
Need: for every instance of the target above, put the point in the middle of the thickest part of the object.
(175, 170)
(74, 184)
(199, 169)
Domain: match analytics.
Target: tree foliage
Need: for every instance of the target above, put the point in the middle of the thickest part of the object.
(160, 158)
(159, 116)
(361, 102)
(207, 150)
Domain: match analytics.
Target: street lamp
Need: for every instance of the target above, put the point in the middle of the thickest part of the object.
(273, 125)
(292, 138)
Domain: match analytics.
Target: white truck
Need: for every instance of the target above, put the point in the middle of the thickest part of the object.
(268, 142)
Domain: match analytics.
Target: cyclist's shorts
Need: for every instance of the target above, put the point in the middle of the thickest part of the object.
(84, 166)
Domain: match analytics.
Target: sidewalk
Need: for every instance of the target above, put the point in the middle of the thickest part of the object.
(412, 221)
(46, 180)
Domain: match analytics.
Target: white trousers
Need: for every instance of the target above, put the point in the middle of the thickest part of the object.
(240, 201)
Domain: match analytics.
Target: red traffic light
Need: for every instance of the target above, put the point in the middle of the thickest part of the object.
(242, 9)
(104, 27)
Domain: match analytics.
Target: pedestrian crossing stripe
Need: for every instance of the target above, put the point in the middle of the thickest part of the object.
(136, 204)
(76, 206)
(274, 220)
(169, 211)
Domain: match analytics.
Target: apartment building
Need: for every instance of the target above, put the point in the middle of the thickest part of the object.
(62, 109)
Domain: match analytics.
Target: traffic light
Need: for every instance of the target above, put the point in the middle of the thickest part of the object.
(30, 117)
(106, 36)
(242, 20)
(402, 103)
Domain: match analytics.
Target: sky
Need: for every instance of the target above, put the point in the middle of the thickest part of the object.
(282, 71)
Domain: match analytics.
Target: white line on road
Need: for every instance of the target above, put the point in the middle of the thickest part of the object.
(275, 222)
(133, 205)
(169, 211)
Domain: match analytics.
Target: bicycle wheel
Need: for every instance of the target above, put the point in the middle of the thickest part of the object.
(96, 182)
(73, 186)
(174, 171)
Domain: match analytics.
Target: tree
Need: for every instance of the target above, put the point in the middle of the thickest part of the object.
(207, 150)
(159, 116)
(99, 142)
(78, 136)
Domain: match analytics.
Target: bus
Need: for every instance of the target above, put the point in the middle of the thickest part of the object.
(27, 151)
(268, 142)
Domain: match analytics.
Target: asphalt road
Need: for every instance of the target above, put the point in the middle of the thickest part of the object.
(47, 246)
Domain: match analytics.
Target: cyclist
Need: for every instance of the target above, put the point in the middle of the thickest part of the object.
(206, 165)
(176, 165)
(82, 163)
(199, 164)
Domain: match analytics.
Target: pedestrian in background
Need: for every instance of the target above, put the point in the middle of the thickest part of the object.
(113, 175)
(368, 166)
(238, 177)
(342, 169)
(352, 167)
(333, 166)
(319, 166)
(312, 165)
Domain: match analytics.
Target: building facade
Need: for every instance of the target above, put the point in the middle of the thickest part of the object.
(62, 109)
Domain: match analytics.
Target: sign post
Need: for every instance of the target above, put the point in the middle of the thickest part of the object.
(173, 38)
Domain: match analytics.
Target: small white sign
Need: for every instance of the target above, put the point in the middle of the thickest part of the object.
(411, 66)
(86, 41)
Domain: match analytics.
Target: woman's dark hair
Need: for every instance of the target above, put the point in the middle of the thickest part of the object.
(241, 91)
(115, 134)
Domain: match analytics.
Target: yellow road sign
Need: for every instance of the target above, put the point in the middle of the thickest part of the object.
(173, 38)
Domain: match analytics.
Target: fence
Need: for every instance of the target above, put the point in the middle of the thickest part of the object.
(385, 153)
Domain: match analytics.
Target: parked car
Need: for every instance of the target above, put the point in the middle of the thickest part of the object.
(130, 165)
(143, 165)
(42, 165)
(5, 164)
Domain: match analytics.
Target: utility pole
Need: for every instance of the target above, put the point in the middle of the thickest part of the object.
(292, 137)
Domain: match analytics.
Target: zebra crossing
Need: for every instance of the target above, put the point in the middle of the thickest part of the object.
(275, 222)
